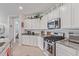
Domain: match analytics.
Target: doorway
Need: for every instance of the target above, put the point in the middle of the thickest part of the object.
(14, 28)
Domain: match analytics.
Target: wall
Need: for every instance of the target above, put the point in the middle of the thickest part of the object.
(4, 20)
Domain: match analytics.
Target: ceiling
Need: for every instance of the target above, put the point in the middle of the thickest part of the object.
(28, 8)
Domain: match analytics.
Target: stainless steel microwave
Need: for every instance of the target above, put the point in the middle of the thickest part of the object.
(54, 24)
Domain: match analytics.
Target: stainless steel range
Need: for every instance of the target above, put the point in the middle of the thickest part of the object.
(49, 44)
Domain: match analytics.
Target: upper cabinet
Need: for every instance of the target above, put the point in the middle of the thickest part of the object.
(55, 13)
(75, 15)
(69, 14)
(43, 22)
(32, 24)
(27, 24)
(64, 12)
(50, 16)
(65, 15)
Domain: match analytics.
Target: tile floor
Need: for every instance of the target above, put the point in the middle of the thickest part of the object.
(23, 50)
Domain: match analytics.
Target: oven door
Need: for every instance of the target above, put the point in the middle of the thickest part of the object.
(49, 48)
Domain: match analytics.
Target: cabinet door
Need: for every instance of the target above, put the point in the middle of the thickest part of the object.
(62, 50)
(56, 13)
(40, 43)
(37, 24)
(28, 23)
(50, 16)
(44, 22)
(32, 23)
(75, 15)
(31, 39)
(35, 40)
(65, 15)
(25, 40)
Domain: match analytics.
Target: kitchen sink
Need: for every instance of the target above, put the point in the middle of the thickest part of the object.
(1, 44)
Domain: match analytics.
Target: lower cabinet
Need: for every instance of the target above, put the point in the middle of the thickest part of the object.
(28, 40)
(62, 50)
(33, 41)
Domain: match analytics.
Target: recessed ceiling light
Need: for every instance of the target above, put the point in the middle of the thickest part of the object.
(20, 7)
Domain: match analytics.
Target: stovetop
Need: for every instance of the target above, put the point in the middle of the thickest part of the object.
(53, 38)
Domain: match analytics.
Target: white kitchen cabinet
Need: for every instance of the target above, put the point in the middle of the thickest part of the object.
(66, 16)
(50, 16)
(30, 40)
(43, 22)
(56, 13)
(25, 40)
(75, 15)
(27, 24)
(40, 43)
(35, 40)
(62, 50)
(32, 23)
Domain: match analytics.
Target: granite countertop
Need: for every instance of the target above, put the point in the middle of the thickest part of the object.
(7, 41)
(69, 44)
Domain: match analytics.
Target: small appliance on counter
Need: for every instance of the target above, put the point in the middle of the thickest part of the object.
(49, 34)
(33, 33)
(29, 32)
(74, 37)
(42, 33)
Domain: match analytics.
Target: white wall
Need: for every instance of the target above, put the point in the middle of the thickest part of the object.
(4, 20)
